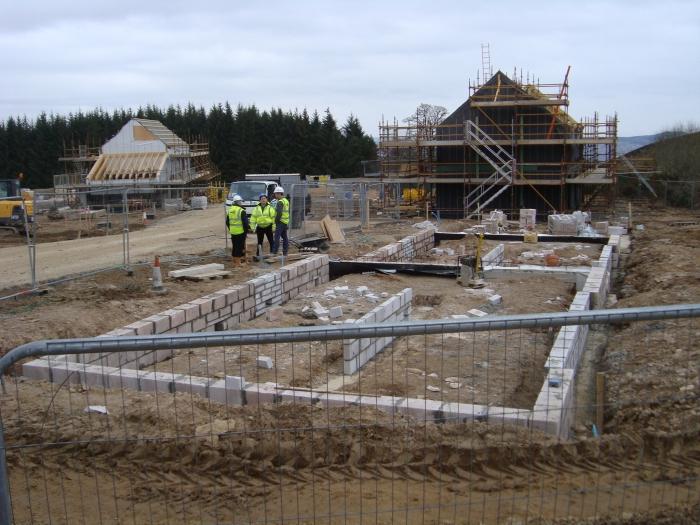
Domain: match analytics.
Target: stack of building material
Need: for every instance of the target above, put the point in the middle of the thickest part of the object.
(582, 219)
(528, 217)
(601, 227)
(498, 216)
(562, 224)
(199, 203)
(490, 225)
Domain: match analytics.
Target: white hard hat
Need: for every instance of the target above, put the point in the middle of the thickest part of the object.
(279, 189)
(237, 198)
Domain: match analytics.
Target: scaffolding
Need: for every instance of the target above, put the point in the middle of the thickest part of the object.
(526, 119)
(87, 165)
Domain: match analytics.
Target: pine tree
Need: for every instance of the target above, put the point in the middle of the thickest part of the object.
(241, 141)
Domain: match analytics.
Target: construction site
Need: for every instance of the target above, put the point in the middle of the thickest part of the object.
(484, 331)
(511, 145)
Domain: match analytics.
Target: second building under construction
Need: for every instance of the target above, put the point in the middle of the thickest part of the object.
(511, 145)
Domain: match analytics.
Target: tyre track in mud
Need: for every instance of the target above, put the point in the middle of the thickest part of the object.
(200, 465)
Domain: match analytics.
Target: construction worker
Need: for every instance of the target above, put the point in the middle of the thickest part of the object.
(237, 222)
(262, 222)
(281, 221)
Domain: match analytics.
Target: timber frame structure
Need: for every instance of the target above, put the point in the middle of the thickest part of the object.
(511, 145)
(143, 153)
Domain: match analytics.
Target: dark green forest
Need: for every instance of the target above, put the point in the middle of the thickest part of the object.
(241, 140)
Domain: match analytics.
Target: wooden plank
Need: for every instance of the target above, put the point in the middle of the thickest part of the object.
(324, 230)
(333, 232)
(521, 102)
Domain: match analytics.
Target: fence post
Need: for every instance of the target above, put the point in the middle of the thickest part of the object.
(125, 234)
(364, 206)
(5, 501)
(29, 233)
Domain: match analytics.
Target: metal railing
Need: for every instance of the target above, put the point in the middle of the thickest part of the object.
(261, 426)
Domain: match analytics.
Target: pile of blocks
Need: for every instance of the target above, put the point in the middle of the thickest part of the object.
(404, 250)
(357, 352)
(562, 224)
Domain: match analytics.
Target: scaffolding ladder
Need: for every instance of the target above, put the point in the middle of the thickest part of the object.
(502, 162)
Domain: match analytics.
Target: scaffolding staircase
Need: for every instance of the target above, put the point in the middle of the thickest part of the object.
(502, 162)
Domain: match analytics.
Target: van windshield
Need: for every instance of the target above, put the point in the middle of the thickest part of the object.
(249, 191)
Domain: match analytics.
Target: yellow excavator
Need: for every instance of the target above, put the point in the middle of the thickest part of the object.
(14, 203)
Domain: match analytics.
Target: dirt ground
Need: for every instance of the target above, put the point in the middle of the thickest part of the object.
(660, 359)
(177, 458)
(193, 232)
(92, 305)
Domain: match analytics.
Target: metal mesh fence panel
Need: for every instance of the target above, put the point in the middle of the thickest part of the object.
(413, 422)
(112, 214)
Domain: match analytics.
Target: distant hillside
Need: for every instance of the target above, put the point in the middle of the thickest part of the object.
(678, 158)
(626, 144)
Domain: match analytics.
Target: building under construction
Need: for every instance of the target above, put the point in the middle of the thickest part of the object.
(511, 145)
(144, 156)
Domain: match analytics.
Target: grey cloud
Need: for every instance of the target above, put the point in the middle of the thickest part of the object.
(366, 58)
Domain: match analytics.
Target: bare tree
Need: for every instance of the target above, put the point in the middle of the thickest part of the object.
(426, 118)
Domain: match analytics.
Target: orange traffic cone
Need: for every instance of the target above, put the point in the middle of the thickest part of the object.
(157, 276)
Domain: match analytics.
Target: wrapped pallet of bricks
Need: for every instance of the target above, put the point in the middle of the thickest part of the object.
(582, 218)
(601, 227)
(562, 224)
(498, 216)
(528, 217)
(490, 225)
(199, 203)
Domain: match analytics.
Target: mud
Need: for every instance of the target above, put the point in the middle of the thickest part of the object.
(176, 458)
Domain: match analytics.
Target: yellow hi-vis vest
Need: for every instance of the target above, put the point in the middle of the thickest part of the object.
(284, 218)
(235, 221)
(262, 217)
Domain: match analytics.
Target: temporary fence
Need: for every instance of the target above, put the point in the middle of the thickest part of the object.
(69, 214)
(446, 421)
(676, 193)
(356, 202)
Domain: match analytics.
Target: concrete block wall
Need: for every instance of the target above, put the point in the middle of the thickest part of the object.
(224, 309)
(553, 412)
(614, 243)
(357, 352)
(554, 409)
(571, 274)
(598, 285)
(404, 250)
(494, 257)
(234, 390)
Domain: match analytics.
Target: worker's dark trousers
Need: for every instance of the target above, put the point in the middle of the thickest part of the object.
(281, 231)
(262, 233)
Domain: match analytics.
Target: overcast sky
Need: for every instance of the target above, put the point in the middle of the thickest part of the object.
(638, 58)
